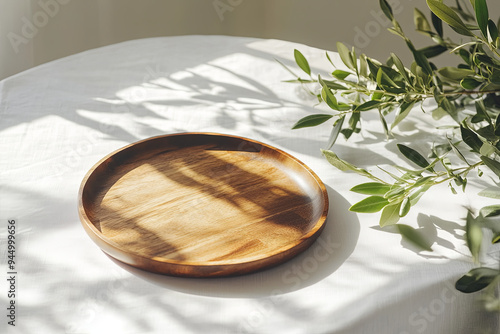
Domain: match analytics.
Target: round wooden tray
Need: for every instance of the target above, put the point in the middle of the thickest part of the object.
(202, 205)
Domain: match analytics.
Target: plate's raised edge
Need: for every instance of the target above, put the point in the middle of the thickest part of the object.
(115, 250)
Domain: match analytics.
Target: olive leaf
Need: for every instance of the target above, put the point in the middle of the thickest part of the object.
(390, 214)
(421, 23)
(433, 50)
(340, 74)
(477, 279)
(446, 14)
(302, 61)
(437, 24)
(372, 188)
(492, 164)
(470, 138)
(337, 127)
(481, 10)
(368, 105)
(413, 156)
(370, 205)
(455, 73)
(492, 33)
(312, 120)
(490, 211)
(386, 8)
(345, 56)
(343, 165)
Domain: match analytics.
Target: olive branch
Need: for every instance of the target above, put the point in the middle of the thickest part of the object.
(368, 84)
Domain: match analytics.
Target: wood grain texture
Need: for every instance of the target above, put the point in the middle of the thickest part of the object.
(202, 205)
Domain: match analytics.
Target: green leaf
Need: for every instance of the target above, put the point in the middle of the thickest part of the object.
(395, 192)
(465, 55)
(386, 83)
(481, 114)
(337, 126)
(454, 73)
(390, 214)
(302, 61)
(368, 105)
(386, 8)
(492, 164)
(370, 205)
(487, 132)
(345, 55)
(421, 23)
(354, 59)
(433, 50)
(312, 120)
(476, 279)
(387, 132)
(413, 156)
(413, 236)
(447, 14)
(492, 33)
(422, 181)
(448, 106)
(457, 152)
(328, 96)
(420, 59)
(343, 165)
(474, 236)
(373, 66)
(340, 74)
(496, 238)
(497, 125)
(490, 211)
(400, 67)
(372, 188)
(484, 59)
(353, 122)
(487, 149)
(415, 197)
(470, 83)
(333, 85)
(379, 95)
(363, 66)
(405, 207)
(491, 192)
(471, 139)
(495, 76)
(482, 16)
(329, 59)
(438, 24)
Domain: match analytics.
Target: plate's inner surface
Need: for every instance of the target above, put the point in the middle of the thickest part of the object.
(204, 204)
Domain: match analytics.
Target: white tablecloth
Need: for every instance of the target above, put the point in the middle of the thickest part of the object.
(59, 119)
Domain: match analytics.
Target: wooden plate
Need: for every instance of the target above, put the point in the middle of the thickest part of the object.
(202, 205)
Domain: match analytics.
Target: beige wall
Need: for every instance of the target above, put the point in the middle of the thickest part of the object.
(69, 26)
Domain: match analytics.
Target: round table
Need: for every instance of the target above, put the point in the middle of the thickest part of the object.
(58, 119)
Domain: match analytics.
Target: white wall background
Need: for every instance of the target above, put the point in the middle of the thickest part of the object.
(36, 31)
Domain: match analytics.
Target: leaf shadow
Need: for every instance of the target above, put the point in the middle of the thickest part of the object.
(428, 227)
